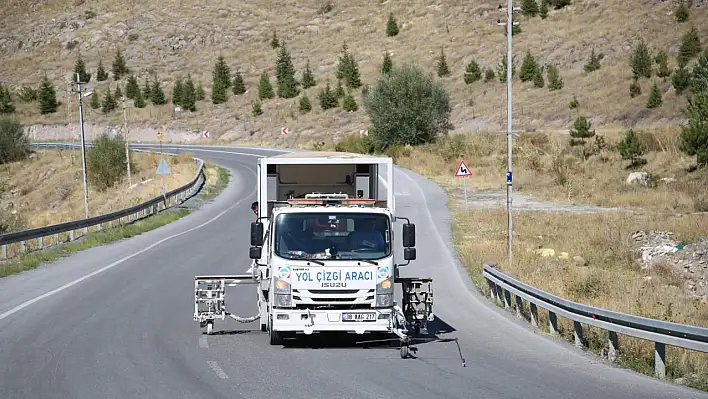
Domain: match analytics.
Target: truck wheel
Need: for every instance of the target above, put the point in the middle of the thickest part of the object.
(275, 338)
(404, 351)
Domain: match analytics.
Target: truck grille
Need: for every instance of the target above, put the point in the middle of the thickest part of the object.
(334, 299)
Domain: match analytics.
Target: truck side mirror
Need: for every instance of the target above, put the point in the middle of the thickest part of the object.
(255, 252)
(256, 234)
(409, 254)
(409, 235)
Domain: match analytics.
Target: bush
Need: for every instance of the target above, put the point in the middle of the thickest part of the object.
(694, 135)
(632, 148)
(14, 143)
(407, 106)
(106, 163)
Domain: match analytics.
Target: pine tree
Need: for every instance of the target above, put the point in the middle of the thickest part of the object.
(472, 73)
(349, 103)
(348, 69)
(132, 89)
(489, 75)
(654, 100)
(582, 129)
(189, 95)
(694, 135)
(699, 75)
(339, 91)
(285, 75)
(391, 26)
(177, 91)
(555, 81)
(690, 46)
(80, 68)
(305, 105)
(95, 101)
(256, 109)
(101, 74)
(265, 89)
(201, 95)
(529, 8)
(47, 97)
(593, 63)
(328, 99)
(543, 12)
(239, 87)
(118, 93)
(308, 80)
(7, 106)
(681, 13)
(157, 95)
(529, 68)
(538, 81)
(109, 103)
(641, 61)
(119, 66)
(681, 79)
(386, 64)
(632, 148)
(274, 43)
(443, 69)
(147, 89)
(635, 89)
(662, 60)
(221, 81)
(139, 101)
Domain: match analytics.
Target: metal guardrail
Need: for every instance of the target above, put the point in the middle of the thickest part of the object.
(147, 208)
(660, 332)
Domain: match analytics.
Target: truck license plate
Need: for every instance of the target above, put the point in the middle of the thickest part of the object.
(358, 316)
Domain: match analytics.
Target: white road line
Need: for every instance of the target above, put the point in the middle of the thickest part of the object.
(215, 366)
(203, 342)
(119, 261)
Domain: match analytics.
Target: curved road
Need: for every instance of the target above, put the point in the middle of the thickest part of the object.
(116, 322)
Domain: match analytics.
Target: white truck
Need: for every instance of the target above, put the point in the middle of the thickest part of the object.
(323, 252)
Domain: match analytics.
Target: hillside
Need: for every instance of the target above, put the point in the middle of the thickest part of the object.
(170, 39)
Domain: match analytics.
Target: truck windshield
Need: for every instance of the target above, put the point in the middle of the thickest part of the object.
(332, 236)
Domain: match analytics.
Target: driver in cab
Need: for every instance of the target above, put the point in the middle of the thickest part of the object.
(365, 235)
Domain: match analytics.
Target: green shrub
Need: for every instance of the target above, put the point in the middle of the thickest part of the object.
(14, 143)
(106, 163)
(407, 106)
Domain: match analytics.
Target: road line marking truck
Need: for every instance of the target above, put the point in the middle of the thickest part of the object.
(323, 252)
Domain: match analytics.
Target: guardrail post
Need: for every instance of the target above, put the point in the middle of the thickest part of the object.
(492, 289)
(534, 314)
(23, 246)
(56, 239)
(110, 224)
(613, 346)
(578, 334)
(41, 242)
(99, 226)
(145, 212)
(660, 360)
(519, 306)
(4, 251)
(507, 299)
(552, 323)
(86, 230)
(71, 235)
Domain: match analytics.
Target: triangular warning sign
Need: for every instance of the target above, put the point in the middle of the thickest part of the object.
(162, 168)
(463, 170)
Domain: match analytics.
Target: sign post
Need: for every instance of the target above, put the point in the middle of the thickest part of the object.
(463, 171)
(160, 136)
(164, 170)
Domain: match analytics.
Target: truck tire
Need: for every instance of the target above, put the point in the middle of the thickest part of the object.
(275, 337)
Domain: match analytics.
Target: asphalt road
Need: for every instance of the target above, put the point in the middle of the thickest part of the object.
(126, 330)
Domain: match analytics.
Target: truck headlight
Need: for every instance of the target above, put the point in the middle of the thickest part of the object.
(283, 301)
(383, 300)
(282, 287)
(384, 287)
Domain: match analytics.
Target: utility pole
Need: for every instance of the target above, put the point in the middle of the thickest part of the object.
(68, 117)
(127, 147)
(510, 9)
(83, 142)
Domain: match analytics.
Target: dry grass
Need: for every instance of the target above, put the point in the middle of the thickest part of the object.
(48, 189)
(174, 38)
(546, 167)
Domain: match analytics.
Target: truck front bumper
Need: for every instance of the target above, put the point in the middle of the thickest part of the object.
(311, 321)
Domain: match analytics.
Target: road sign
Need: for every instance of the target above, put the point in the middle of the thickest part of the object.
(205, 134)
(162, 168)
(160, 136)
(284, 130)
(364, 132)
(463, 170)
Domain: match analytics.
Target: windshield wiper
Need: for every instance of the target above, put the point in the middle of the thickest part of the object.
(307, 259)
(369, 261)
